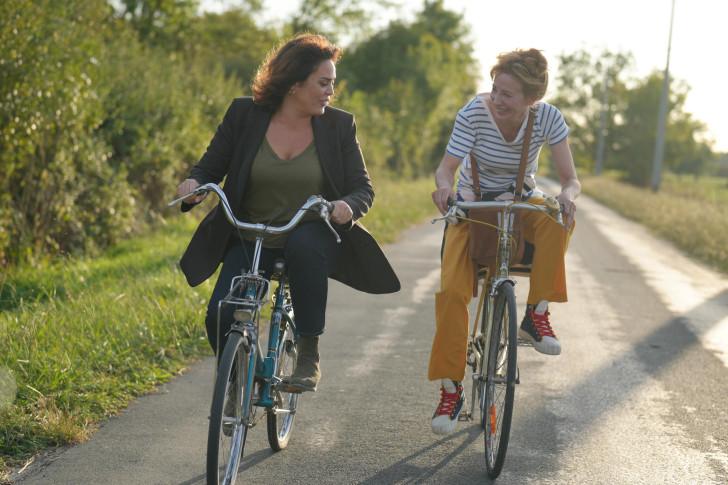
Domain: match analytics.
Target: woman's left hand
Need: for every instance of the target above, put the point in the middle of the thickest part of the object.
(342, 213)
(568, 208)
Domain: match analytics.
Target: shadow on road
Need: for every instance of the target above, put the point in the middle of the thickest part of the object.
(657, 351)
(405, 470)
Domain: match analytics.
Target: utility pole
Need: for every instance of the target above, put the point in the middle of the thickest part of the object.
(662, 116)
(602, 124)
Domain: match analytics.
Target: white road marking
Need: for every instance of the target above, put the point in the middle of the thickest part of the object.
(686, 288)
(424, 286)
(376, 348)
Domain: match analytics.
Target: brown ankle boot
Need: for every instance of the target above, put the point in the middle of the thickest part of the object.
(307, 373)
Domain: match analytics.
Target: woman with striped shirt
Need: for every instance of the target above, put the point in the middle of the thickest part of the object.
(492, 127)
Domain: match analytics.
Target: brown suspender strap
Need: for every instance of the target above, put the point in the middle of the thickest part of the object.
(521, 165)
(483, 240)
(524, 154)
(474, 173)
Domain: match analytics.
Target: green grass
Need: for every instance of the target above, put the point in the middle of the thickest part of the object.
(399, 205)
(691, 212)
(82, 337)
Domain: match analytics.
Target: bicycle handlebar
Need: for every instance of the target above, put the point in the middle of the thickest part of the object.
(500, 205)
(315, 202)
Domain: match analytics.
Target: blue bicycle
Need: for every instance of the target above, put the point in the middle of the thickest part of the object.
(246, 378)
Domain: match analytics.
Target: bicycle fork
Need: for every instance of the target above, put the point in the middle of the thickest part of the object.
(479, 349)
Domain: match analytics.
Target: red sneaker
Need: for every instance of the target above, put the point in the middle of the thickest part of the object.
(452, 399)
(536, 328)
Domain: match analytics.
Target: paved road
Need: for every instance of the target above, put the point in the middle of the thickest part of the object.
(637, 396)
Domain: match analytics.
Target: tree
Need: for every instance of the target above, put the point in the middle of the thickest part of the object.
(407, 83)
(337, 18)
(163, 23)
(631, 116)
(579, 95)
(95, 126)
(234, 40)
(636, 134)
(55, 183)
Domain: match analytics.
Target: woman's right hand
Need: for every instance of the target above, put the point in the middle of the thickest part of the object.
(444, 180)
(441, 197)
(188, 186)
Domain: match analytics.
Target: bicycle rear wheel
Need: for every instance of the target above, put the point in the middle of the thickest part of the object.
(497, 403)
(280, 417)
(231, 412)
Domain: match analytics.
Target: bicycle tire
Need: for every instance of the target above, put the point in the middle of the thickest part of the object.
(280, 418)
(227, 434)
(499, 391)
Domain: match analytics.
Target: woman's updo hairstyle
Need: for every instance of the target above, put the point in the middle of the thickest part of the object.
(288, 64)
(528, 66)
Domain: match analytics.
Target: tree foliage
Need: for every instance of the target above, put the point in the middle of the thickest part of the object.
(234, 40)
(631, 117)
(337, 19)
(633, 150)
(52, 105)
(405, 85)
(94, 126)
(164, 23)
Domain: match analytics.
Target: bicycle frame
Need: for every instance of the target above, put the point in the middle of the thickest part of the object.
(247, 322)
(254, 290)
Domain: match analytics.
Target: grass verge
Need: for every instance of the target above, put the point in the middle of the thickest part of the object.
(81, 338)
(691, 212)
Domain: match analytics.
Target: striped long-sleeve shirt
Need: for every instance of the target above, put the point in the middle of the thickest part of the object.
(498, 160)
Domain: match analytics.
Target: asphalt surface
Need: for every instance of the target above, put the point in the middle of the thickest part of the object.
(638, 394)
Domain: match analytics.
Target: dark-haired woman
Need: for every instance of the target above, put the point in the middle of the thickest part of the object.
(274, 150)
(492, 125)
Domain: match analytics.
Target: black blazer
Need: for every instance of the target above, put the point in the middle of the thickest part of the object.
(230, 155)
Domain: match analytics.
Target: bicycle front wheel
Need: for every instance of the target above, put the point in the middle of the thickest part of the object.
(280, 416)
(500, 377)
(231, 410)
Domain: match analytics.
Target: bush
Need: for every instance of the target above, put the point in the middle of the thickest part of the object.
(95, 127)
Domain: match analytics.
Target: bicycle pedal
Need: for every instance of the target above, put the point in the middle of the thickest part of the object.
(522, 342)
(465, 416)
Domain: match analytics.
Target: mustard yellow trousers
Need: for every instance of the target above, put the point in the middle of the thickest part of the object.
(547, 282)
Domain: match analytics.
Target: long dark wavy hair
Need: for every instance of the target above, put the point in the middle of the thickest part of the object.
(288, 64)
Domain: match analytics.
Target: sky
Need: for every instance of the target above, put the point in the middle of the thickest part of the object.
(699, 39)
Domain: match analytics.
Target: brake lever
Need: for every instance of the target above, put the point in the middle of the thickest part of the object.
(180, 199)
(324, 212)
(451, 216)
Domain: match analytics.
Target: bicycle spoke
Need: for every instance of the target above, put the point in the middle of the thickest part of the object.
(229, 418)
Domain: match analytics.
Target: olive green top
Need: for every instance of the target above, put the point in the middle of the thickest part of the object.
(277, 188)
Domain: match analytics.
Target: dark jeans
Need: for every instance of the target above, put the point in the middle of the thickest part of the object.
(310, 253)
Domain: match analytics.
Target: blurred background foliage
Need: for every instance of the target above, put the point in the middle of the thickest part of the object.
(104, 106)
(630, 107)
